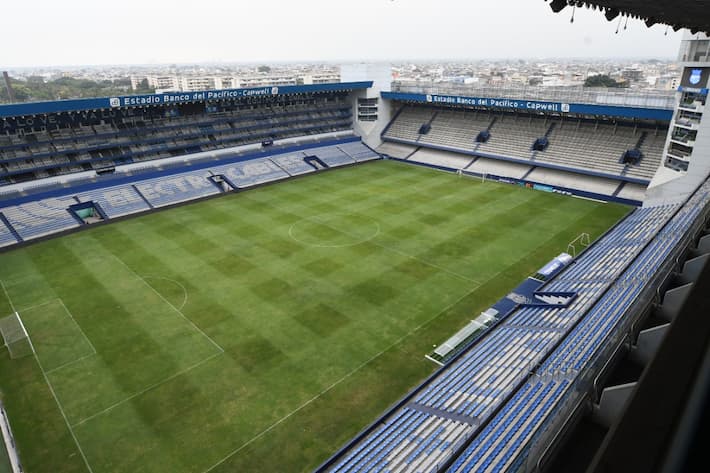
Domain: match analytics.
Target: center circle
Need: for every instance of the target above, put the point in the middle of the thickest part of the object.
(335, 230)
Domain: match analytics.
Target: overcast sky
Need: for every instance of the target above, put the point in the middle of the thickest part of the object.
(77, 32)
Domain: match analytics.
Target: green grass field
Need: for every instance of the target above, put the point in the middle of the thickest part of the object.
(260, 331)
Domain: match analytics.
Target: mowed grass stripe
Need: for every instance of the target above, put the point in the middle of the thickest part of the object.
(317, 340)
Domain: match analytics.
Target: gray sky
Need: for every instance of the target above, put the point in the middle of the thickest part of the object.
(72, 32)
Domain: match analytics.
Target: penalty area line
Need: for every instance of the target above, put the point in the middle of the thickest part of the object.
(189, 321)
(145, 390)
(329, 388)
(51, 390)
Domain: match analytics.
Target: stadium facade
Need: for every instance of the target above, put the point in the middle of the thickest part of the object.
(501, 403)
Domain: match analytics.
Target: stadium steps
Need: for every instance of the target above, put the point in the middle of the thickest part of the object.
(150, 206)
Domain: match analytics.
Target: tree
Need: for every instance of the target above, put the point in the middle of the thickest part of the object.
(264, 69)
(602, 80)
(144, 88)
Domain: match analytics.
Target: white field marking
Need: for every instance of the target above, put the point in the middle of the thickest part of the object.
(394, 250)
(54, 394)
(77, 325)
(35, 306)
(407, 255)
(221, 350)
(12, 306)
(346, 376)
(316, 245)
(184, 290)
(145, 390)
(70, 363)
(19, 279)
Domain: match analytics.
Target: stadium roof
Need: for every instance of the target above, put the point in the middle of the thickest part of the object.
(691, 14)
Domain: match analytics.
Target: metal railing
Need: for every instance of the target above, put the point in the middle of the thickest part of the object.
(647, 98)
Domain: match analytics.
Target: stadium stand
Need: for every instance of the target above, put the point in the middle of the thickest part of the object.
(358, 151)
(442, 158)
(457, 129)
(43, 217)
(187, 186)
(514, 135)
(293, 164)
(592, 147)
(396, 150)
(408, 122)
(499, 168)
(501, 445)
(332, 156)
(6, 236)
(598, 147)
(116, 201)
(131, 135)
(594, 184)
(252, 173)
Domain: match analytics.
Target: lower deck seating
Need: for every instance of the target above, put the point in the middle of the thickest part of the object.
(396, 150)
(332, 156)
(166, 191)
(442, 158)
(252, 172)
(499, 168)
(6, 236)
(293, 163)
(35, 219)
(116, 201)
(554, 177)
(358, 151)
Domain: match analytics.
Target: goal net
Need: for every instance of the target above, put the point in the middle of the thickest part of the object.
(15, 336)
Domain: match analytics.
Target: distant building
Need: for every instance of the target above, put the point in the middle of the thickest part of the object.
(195, 83)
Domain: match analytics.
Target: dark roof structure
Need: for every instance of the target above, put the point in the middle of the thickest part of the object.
(691, 14)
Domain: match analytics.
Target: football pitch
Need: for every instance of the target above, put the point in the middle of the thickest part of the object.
(260, 331)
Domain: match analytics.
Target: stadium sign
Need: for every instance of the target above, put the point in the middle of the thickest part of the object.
(534, 105)
(108, 103)
(182, 97)
(498, 103)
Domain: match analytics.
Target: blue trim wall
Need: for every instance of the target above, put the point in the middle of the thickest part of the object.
(110, 181)
(534, 106)
(76, 105)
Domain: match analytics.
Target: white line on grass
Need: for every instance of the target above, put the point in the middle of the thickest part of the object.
(346, 376)
(385, 247)
(51, 389)
(32, 307)
(70, 363)
(221, 350)
(12, 306)
(145, 390)
(77, 325)
(402, 253)
(184, 290)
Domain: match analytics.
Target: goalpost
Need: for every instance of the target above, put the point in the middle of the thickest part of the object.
(15, 336)
(582, 240)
